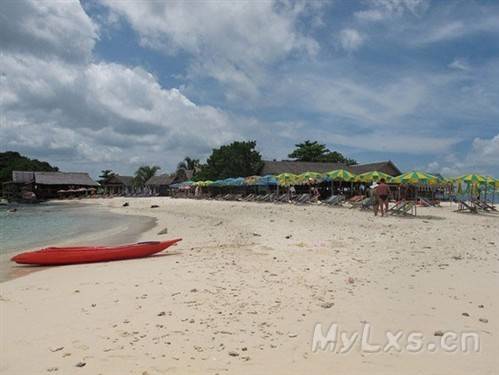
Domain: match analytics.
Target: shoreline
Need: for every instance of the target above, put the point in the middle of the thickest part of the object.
(121, 234)
(244, 290)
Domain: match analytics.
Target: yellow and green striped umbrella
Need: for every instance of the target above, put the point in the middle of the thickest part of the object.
(309, 177)
(416, 178)
(286, 179)
(340, 175)
(491, 181)
(472, 179)
(373, 176)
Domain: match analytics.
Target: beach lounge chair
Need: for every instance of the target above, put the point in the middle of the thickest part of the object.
(428, 203)
(482, 205)
(466, 207)
(261, 198)
(402, 208)
(367, 203)
(356, 201)
(281, 198)
(334, 200)
(302, 199)
(248, 197)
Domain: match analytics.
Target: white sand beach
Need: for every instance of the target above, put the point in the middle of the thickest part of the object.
(243, 291)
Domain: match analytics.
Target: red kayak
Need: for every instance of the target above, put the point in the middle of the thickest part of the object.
(52, 256)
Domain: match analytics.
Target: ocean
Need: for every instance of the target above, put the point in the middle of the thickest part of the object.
(39, 225)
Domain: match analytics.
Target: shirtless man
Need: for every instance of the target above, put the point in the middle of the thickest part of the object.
(383, 192)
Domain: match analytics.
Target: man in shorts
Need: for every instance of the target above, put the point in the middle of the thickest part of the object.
(383, 193)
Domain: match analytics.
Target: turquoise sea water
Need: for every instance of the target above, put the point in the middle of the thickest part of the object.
(49, 223)
(41, 225)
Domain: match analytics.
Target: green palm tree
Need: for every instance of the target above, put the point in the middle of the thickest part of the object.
(144, 173)
(189, 164)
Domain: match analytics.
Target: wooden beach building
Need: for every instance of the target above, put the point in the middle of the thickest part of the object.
(160, 185)
(119, 185)
(32, 186)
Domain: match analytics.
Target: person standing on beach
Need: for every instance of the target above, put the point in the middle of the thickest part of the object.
(383, 192)
(373, 195)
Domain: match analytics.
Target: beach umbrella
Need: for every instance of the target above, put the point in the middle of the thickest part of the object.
(267, 180)
(340, 175)
(239, 181)
(251, 180)
(416, 178)
(218, 183)
(286, 179)
(472, 179)
(309, 177)
(373, 176)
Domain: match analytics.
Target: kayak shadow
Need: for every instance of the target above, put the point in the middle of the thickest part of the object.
(161, 255)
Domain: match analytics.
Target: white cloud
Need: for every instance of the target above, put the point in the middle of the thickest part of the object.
(351, 39)
(438, 31)
(485, 151)
(47, 28)
(483, 158)
(78, 111)
(231, 41)
(366, 103)
(460, 64)
(379, 10)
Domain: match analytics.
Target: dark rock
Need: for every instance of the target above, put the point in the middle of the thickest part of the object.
(126, 204)
(327, 305)
(163, 231)
(80, 364)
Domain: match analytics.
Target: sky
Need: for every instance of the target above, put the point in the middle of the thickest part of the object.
(111, 84)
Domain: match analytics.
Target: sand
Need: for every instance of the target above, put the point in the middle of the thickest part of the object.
(242, 293)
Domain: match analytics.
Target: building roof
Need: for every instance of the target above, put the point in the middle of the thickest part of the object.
(387, 167)
(23, 177)
(117, 179)
(298, 167)
(161, 180)
(64, 178)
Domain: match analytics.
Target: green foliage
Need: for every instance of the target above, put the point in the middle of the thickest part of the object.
(13, 161)
(238, 159)
(105, 175)
(189, 164)
(316, 152)
(143, 174)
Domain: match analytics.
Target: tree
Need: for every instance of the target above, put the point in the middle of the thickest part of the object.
(189, 164)
(309, 151)
(143, 174)
(238, 159)
(13, 161)
(105, 175)
(316, 152)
